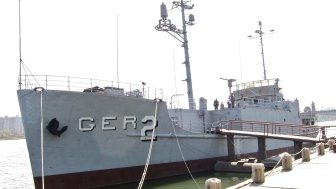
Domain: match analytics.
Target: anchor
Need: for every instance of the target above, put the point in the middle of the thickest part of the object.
(53, 126)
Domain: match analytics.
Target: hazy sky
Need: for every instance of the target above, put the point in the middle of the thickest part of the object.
(78, 38)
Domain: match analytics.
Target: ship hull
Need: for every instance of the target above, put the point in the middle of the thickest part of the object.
(108, 139)
(101, 178)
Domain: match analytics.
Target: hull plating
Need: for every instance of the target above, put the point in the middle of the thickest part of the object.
(106, 139)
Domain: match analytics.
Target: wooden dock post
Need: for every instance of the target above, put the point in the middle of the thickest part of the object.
(297, 148)
(261, 148)
(258, 173)
(287, 162)
(305, 155)
(231, 147)
(213, 183)
(320, 151)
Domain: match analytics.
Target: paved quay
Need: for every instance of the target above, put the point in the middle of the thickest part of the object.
(319, 172)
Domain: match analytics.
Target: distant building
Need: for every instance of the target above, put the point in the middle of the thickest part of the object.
(11, 127)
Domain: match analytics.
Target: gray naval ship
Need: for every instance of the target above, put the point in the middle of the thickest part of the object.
(85, 133)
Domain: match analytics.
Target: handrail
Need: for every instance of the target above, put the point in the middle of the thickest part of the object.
(272, 127)
(67, 83)
(258, 83)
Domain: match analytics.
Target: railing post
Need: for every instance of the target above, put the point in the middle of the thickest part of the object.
(69, 83)
(149, 92)
(91, 85)
(267, 129)
(264, 128)
(46, 82)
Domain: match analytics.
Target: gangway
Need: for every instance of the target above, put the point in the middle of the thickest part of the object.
(263, 130)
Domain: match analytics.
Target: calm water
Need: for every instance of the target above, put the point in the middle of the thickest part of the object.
(16, 172)
(14, 165)
(185, 182)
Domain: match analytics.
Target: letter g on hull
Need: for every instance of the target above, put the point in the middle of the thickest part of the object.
(89, 126)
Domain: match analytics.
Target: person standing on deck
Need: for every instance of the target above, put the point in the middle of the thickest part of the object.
(221, 106)
(216, 104)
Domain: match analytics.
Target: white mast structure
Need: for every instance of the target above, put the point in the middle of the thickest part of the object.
(20, 61)
(181, 35)
(260, 35)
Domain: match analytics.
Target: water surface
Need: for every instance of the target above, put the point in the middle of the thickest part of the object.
(16, 172)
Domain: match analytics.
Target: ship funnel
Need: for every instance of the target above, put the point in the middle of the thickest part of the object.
(164, 12)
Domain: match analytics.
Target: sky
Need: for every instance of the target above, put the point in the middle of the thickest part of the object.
(79, 38)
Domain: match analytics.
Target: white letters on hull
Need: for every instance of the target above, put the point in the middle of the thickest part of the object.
(91, 125)
(88, 124)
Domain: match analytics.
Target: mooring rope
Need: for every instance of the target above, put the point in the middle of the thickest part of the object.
(185, 163)
(280, 160)
(149, 151)
(42, 150)
(276, 165)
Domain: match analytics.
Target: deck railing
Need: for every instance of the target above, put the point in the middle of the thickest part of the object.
(258, 83)
(271, 128)
(67, 83)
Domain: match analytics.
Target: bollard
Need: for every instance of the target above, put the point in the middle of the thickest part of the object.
(213, 183)
(287, 162)
(334, 148)
(305, 155)
(258, 175)
(320, 149)
(331, 142)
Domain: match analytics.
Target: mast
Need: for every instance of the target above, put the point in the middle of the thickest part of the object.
(181, 35)
(260, 35)
(262, 48)
(118, 50)
(20, 60)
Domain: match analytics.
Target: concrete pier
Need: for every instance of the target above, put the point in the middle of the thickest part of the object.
(312, 174)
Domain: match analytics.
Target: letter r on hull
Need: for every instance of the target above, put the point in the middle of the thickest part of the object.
(130, 120)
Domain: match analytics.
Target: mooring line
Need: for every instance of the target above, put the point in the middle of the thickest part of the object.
(185, 163)
(149, 151)
(42, 149)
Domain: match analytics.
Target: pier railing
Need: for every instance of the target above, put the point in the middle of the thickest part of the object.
(271, 128)
(67, 83)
